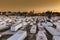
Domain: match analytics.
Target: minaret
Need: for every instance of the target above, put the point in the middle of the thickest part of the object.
(33, 11)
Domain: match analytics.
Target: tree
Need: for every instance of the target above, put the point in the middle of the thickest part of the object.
(4, 13)
(49, 13)
(0, 12)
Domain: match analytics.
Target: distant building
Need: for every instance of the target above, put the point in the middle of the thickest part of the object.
(32, 11)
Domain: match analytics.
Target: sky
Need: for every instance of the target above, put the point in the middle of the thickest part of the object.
(29, 5)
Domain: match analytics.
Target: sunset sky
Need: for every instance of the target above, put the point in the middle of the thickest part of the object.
(28, 5)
